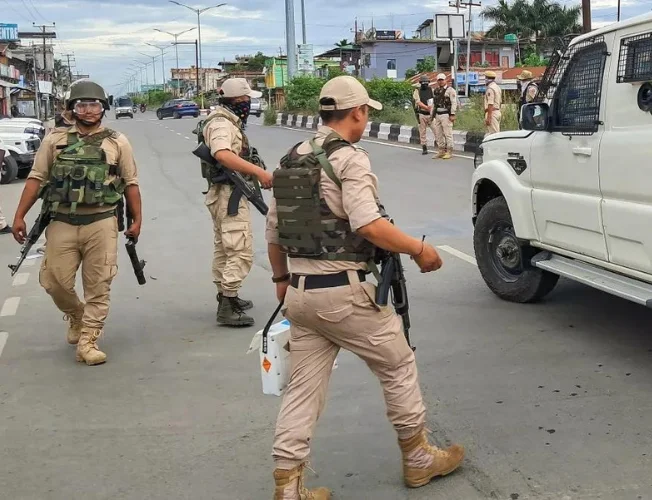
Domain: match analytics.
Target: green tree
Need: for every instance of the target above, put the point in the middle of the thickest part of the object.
(427, 65)
(343, 43)
(257, 62)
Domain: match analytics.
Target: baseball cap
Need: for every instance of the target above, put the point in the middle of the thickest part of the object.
(525, 75)
(236, 87)
(490, 74)
(347, 92)
(441, 76)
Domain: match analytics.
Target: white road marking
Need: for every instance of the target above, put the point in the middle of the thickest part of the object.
(178, 133)
(3, 341)
(10, 306)
(20, 279)
(458, 254)
(187, 138)
(401, 146)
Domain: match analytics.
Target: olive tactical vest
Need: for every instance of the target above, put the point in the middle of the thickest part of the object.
(442, 101)
(81, 176)
(307, 228)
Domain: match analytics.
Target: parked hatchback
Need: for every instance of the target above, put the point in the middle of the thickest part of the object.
(178, 108)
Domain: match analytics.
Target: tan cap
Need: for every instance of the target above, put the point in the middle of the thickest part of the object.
(441, 76)
(525, 75)
(490, 74)
(347, 92)
(237, 87)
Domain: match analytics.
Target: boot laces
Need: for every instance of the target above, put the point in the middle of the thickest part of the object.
(303, 491)
(236, 306)
(430, 448)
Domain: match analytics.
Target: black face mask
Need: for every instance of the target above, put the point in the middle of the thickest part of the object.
(240, 109)
(424, 86)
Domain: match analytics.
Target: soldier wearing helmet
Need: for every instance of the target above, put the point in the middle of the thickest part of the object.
(423, 101)
(85, 171)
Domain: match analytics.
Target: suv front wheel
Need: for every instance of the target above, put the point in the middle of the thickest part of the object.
(503, 261)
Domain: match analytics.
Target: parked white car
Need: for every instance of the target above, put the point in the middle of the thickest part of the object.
(571, 194)
(22, 149)
(34, 127)
(8, 166)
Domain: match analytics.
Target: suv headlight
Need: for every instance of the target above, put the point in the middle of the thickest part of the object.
(479, 157)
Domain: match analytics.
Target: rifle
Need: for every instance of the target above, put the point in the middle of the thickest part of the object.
(136, 263)
(39, 226)
(254, 195)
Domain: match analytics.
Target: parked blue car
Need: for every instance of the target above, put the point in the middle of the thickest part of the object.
(177, 108)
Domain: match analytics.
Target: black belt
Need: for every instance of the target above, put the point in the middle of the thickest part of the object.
(83, 220)
(314, 281)
(442, 113)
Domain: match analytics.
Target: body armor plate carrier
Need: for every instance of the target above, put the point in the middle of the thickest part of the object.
(81, 176)
(307, 227)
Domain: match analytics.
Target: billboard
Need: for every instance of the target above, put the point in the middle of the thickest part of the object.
(8, 32)
(306, 59)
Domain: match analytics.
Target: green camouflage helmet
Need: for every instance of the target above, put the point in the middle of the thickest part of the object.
(87, 90)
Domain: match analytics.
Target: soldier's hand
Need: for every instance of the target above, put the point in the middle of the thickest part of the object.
(133, 231)
(265, 178)
(19, 230)
(452, 118)
(429, 260)
(281, 290)
(487, 122)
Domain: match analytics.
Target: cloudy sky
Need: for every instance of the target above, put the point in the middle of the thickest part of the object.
(106, 37)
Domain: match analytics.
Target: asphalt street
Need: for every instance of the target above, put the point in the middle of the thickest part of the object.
(552, 401)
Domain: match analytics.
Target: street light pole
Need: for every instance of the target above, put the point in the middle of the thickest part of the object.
(176, 49)
(196, 44)
(162, 61)
(199, 12)
(153, 58)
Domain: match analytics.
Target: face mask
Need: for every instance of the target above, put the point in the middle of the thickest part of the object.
(240, 109)
(424, 86)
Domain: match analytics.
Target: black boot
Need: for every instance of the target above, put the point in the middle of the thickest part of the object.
(230, 313)
(425, 150)
(245, 305)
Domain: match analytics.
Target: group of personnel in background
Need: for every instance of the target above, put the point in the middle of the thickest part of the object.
(436, 108)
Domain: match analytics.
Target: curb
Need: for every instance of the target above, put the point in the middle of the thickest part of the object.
(462, 141)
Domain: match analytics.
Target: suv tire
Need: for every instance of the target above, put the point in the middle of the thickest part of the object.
(9, 169)
(503, 261)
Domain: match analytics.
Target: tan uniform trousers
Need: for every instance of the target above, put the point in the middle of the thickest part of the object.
(425, 121)
(495, 123)
(3, 221)
(323, 321)
(233, 252)
(444, 132)
(93, 246)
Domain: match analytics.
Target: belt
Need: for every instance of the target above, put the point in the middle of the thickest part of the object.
(442, 113)
(83, 220)
(314, 281)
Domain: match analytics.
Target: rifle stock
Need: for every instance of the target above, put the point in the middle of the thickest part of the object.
(203, 152)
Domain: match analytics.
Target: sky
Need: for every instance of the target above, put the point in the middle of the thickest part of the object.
(108, 37)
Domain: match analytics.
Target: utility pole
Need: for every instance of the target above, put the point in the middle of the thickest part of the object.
(586, 15)
(37, 107)
(153, 58)
(618, 10)
(455, 4)
(43, 27)
(303, 20)
(162, 62)
(290, 38)
(67, 56)
(176, 50)
(468, 4)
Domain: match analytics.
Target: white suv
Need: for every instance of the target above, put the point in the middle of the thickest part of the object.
(571, 194)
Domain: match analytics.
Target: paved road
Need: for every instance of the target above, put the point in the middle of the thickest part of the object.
(552, 401)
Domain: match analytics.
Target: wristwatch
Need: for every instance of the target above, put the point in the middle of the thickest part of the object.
(281, 279)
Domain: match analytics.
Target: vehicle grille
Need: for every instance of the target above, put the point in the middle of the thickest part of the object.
(33, 144)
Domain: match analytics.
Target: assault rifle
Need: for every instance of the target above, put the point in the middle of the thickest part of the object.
(136, 263)
(254, 195)
(34, 234)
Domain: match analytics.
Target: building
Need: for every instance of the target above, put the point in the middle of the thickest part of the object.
(187, 77)
(348, 57)
(387, 54)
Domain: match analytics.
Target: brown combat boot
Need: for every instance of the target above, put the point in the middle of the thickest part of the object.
(440, 154)
(289, 486)
(447, 155)
(75, 326)
(87, 350)
(422, 461)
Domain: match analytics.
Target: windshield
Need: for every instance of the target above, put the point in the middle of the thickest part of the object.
(124, 102)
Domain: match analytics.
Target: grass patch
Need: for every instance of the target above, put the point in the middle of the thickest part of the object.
(471, 117)
(269, 116)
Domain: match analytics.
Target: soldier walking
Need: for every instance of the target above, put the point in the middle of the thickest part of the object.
(330, 238)
(84, 228)
(493, 100)
(423, 101)
(445, 107)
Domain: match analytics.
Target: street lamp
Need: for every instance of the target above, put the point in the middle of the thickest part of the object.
(162, 61)
(153, 58)
(176, 49)
(198, 12)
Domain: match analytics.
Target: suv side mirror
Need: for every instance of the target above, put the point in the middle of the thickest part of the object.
(535, 116)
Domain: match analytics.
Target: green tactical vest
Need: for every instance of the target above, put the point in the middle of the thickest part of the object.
(307, 228)
(441, 100)
(80, 175)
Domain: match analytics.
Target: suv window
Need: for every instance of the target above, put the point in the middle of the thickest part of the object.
(635, 59)
(578, 96)
(124, 102)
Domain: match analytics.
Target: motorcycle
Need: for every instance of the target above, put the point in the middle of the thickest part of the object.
(134, 109)
(143, 108)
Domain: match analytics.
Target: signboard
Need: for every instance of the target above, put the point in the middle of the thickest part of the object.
(474, 78)
(449, 26)
(36, 34)
(388, 35)
(44, 87)
(306, 59)
(8, 32)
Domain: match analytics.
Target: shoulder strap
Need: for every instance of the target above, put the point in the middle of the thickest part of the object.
(332, 143)
(93, 139)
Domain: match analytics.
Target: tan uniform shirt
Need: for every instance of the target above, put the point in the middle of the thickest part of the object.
(118, 152)
(356, 201)
(493, 95)
(220, 134)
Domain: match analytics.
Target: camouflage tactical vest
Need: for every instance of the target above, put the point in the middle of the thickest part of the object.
(81, 176)
(307, 227)
(442, 101)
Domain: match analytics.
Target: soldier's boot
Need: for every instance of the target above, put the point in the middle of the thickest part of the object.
(289, 486)
(87, 350)
(422, 461)
(245, 305)
(75, 325)
(230, 313)
(447, 155)
(424, 149)
(440, 154)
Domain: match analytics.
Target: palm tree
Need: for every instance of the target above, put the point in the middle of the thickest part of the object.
(343, 43)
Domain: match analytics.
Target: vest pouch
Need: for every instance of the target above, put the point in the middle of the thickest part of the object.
(95, 178)
(77, 184)
(298, 203)
(60, 183)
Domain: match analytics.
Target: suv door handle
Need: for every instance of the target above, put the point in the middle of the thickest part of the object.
(583, 151)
